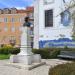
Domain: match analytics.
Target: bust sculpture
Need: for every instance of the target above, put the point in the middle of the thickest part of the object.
(27, 23)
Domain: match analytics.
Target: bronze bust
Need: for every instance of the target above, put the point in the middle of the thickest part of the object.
(27, 23)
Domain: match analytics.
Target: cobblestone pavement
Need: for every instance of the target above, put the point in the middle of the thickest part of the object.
(42, 70)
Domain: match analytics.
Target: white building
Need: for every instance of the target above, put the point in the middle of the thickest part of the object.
(53, 26)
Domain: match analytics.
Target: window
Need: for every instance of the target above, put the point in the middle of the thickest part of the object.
(12, 40)
(21, 19)
(1, 20)
(20, 27)
(5, 19)
(31, 15)
(12, 37)
(13, 29)
(48, 1)
(48, 18)
(12, 20)
(13, 10)
(5, 28)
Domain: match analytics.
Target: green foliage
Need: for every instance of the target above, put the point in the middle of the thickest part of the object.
(9, 50)
(14, 50)
(64, 69)
(49, 53)
(65, 47)
(54, 53)
(4, 50)
(73, 36)
(46, 53)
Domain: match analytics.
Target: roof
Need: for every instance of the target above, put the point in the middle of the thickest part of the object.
(30, 9)
(21, 11)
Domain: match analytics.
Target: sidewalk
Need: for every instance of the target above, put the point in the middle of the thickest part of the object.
(42, 70)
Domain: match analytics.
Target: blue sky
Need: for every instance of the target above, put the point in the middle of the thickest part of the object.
(15, 3)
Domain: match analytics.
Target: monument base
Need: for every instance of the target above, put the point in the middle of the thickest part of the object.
(27, 62)
(26, 59)
(26, 67)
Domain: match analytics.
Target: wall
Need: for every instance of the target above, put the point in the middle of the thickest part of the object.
(10, 28)
(44, 35)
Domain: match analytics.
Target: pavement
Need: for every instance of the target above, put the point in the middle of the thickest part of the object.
(42, 70)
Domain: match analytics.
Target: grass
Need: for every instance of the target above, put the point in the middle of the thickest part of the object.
(4, 56)
(64, 69)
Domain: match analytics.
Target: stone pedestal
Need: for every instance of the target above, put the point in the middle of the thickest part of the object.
(26, 56)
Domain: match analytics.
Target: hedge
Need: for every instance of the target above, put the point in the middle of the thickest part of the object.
(47, 53)
(5, 50)
(63, 69)
(14, 50)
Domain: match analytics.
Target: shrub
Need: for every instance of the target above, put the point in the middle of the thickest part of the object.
(4, 50)
(8, 46)
(14, 50)
(54, 53)
(46, 53)
(64, 69)
(49, 53)
(9, 50)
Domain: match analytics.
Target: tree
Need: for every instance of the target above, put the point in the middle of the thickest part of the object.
(71, 6)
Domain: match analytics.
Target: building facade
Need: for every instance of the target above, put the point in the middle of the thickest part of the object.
(11, 22)
(53, 25)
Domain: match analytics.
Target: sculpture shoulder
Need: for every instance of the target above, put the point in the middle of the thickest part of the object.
(24, 24)
(27, 24)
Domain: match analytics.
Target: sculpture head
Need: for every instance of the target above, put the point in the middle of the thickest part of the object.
(27, 23)
(26, 19)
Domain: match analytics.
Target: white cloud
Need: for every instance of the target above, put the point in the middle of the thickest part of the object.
(21, 8)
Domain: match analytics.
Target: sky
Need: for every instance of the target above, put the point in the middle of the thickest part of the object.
(20, 4)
